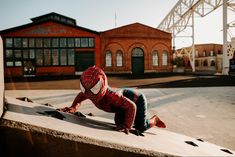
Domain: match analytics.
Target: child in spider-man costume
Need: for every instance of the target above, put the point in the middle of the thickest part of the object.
(129, 106)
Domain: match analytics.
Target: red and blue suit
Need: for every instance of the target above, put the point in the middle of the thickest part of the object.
(129, 105)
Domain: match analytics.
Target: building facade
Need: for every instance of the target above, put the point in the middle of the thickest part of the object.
(208, 57)
(136, 49)
(51, 45)
(54, 44)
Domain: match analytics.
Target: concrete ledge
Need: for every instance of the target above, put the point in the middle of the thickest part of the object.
(26, 132)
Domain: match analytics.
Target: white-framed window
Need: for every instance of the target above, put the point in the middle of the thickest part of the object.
(164, 58)
(204, 53)
(211, 53)
(108, 59)
(155, 58)
(119, 58)
(196, 53)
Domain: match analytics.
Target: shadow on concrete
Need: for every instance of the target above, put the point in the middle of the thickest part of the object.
(200, 81)
(68, 117)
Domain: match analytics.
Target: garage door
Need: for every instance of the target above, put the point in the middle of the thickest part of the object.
(84, 60)
(137, 61)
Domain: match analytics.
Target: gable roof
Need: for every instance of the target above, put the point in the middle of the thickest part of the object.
(136, 29)
(46, 18)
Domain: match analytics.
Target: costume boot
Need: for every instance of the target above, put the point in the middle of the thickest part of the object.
(156, 121)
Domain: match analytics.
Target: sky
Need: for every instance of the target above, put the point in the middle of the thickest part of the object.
(99, 15)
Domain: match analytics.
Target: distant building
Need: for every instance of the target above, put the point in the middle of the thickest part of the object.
(54, 44)
(208, 57)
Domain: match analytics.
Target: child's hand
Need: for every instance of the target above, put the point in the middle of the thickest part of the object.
(68, 109)
(121, 128)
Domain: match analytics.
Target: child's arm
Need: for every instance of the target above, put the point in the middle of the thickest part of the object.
(129, 109)
(76, 103)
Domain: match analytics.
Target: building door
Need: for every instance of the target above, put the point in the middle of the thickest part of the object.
(84, 60)
(29, 67)
(137, 61)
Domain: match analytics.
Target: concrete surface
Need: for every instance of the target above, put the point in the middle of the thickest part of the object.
(94, 132)
(205, 113)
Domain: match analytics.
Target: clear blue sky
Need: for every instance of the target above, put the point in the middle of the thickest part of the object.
(99, 15)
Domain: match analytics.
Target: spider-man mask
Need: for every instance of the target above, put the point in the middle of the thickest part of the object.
(93, 83)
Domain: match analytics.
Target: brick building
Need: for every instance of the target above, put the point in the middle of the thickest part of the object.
(54, 44)
(208, 57)
(136, 48)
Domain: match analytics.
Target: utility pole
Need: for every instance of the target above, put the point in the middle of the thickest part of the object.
(225, 42)
(115, 19)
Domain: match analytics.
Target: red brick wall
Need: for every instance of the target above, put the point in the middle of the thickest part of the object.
(131, 36)
(13, 71)
(55, 70)
(52, 29)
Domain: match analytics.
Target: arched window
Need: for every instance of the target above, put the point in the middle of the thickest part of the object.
(211, 53)
(205, 63)
(164, 57)
(196, 53)
(108, 59)
(155, 58)
(119, 58)
(212, 63)
(196, 63)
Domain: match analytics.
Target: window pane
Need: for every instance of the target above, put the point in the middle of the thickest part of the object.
(108, 59)
(39, 55)
(31, 42)
(77, 42)
(91, 42)
(38, 42)
(31, 54)
(63, 57)
(63, 42)
(25, 54)
(164, 58)
(17, 42)
(47, 57)
(9, 42)
(155, 58)
(70, 42)
(211, 53)
(55, 57)
(119, 58)
(9, 64)
(18, 63)
(47, 42)
(17, 53)
(71, 57)
(25, 42)
(55, 42)
(9, 54)
(84, 42)
(137, 52)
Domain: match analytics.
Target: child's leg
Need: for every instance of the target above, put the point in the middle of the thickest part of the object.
(142, 123)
